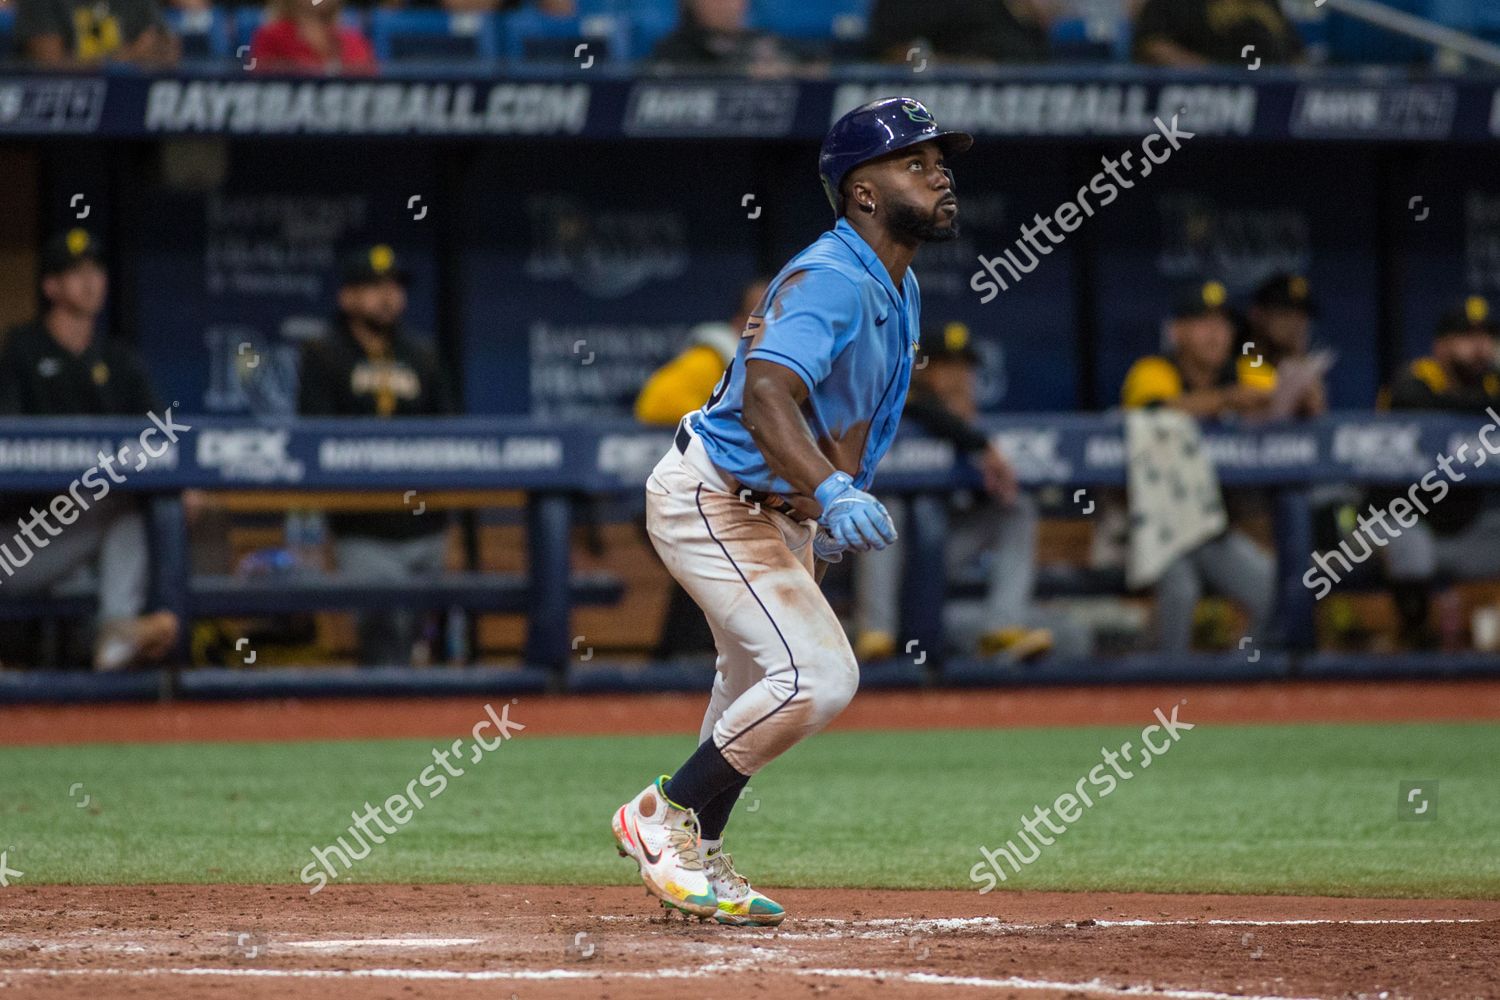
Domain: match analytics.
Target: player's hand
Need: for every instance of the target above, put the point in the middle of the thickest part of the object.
(826, 548)
(855, 519)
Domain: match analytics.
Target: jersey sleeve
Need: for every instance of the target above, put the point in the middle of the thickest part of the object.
(1261, 376)
(680, 386)
(1150, 382)
(811, 317)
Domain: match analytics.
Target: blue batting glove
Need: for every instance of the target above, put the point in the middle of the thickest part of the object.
(826, 548)
(855, 519)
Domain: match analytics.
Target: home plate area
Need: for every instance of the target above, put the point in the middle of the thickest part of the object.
(523, 942)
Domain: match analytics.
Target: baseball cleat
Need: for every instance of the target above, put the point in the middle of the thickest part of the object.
(739, 903)
(663, 840)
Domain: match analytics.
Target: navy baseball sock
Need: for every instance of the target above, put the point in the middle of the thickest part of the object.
(714, 817)
(700, 780)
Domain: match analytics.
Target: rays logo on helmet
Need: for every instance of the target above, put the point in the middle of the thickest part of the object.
(917, 113)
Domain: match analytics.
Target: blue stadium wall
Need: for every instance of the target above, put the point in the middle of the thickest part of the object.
(531, 253)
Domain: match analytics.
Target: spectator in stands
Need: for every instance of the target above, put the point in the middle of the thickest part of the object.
(1459, 537)
(673, 391)
(307, 37)
(1202, 32)
(64, 34)
(713, 35)
(369, 367)
(61, 364)
(1199, 378)
(1000, 522)
(959, 31)
(1278, 337)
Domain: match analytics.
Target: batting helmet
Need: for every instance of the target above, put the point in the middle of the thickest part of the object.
(874, 130)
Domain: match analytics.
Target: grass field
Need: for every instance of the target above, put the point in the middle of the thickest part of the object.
(1252, 809)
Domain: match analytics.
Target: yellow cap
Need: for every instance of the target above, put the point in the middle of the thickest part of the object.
(1477, 309)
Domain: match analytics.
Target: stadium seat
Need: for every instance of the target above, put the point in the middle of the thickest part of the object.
(1081, 39)
(204, 33)
(429, 35)
(831, 20)
(7, 34)
(531, 36)
(650, 22)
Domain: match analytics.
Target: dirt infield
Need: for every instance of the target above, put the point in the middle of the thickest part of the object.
(543, 942)
(335, 718)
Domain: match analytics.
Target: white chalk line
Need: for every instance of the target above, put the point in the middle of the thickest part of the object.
(910, 926)
(1092, 987)
(336, 943)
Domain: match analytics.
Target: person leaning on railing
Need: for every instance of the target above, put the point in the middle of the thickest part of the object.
(1459, 537)
(61, 364)
(1199, 378)
(368, 366)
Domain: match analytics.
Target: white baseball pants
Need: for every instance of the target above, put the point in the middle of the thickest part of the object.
(785, 668)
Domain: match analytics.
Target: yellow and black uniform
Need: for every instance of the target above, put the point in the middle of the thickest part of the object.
(1219, 30)
(1256, 363)
(41, 378)
(1425, 386)
(1157, 380)
(339, 378)
(680, 386)
(91, 30)
(684, 384)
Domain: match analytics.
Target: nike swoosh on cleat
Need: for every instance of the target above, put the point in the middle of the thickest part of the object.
(650, 857)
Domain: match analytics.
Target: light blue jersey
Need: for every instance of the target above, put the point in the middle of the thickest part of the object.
(834, 317)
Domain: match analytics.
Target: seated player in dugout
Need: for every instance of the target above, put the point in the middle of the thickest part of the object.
(59, 365)
(674, 390)
(1199, 377)
(78, 34)
(1460, 537)
(684, 384)
(1279, 330)
(1000, 522)
(368, 366)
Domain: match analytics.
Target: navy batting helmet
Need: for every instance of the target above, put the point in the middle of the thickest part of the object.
(874, 130)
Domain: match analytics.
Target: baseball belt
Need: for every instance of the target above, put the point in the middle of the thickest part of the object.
(770, 501)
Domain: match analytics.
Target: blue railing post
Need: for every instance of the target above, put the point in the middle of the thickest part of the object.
(924, 581)
(171, 566)
(1294, 547)
(549, 605)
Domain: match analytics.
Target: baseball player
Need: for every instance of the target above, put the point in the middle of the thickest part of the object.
(768, 481)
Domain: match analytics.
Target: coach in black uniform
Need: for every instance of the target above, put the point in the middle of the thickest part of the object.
(368, 367)
(60, 365)
(1460, 537)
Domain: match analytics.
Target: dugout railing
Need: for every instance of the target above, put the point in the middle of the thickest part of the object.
(553, 465)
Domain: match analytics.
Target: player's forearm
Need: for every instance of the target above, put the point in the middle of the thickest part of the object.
(773, 416)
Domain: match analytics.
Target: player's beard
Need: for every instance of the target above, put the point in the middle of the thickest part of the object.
(908, 224)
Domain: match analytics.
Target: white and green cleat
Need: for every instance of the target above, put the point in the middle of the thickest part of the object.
(739, 903)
